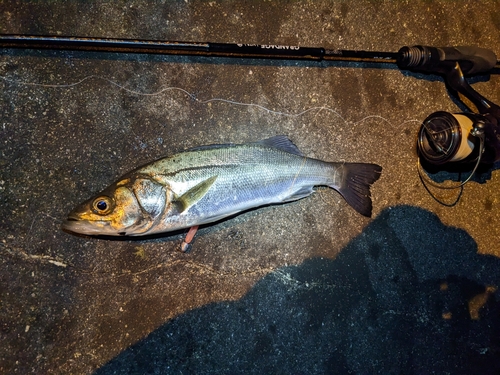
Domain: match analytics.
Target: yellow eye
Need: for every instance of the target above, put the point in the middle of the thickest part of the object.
(102, 205)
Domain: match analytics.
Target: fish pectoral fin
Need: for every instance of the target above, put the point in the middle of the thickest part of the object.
(193, 195)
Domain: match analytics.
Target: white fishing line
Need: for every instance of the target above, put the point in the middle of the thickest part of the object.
(316, 109)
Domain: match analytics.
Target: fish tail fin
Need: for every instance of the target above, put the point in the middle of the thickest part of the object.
(355, 185)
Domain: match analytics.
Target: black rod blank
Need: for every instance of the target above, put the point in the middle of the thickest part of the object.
(193, 48)
(473, 60)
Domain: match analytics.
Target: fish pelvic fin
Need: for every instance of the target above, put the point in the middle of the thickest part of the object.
(193, 195)
(355, 185)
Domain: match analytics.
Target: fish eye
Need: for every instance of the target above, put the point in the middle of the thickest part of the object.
(102, 205)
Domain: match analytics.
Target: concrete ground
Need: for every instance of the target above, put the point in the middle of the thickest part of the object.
(309, 287)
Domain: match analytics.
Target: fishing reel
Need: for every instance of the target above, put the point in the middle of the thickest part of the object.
(456, 141)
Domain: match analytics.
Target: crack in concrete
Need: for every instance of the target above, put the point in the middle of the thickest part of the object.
(44, 258)
(60, 263)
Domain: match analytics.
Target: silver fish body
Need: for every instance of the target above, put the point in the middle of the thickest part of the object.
(209, 183)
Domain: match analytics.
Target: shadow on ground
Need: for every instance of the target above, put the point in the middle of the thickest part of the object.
(409, 295)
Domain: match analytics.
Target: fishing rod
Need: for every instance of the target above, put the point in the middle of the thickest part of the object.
(473, 60)
(444, 139)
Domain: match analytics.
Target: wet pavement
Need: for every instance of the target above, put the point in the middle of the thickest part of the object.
(310, 287)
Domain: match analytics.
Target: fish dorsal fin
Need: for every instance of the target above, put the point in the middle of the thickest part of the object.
(193, 195)
(281, 142)
(210, 147)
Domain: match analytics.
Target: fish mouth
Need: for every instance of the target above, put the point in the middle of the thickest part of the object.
(71, 224)
(75, 225)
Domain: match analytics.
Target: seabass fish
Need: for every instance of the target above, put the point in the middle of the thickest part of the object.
(209, 183)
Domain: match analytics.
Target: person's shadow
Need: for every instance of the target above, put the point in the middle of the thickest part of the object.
(407, 296)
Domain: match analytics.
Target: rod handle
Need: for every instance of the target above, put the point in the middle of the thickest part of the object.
(472, 60)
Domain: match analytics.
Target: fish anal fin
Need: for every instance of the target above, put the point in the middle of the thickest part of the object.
(299, 194)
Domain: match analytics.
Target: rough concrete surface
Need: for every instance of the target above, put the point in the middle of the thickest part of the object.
(309, 287)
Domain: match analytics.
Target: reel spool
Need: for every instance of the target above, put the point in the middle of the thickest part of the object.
(446, 137)
(451, 139)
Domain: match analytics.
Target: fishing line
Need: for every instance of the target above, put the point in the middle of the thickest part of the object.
(193, 97)
(170, 88)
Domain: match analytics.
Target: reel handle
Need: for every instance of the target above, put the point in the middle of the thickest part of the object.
(472, 60)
